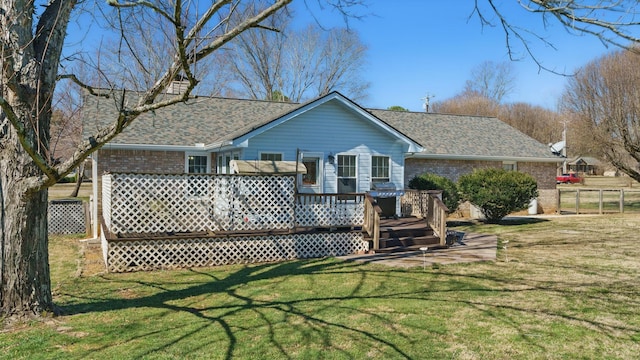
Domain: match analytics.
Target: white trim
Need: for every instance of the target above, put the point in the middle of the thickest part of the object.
(371, 166)
(481, 157)
(207, 155)
(270, 153)
(319, 187)
(337, 165)
(221, 164)
(152, 147)
(513, 163)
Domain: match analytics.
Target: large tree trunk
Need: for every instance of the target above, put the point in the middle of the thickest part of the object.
(24, 265)
(29, 68)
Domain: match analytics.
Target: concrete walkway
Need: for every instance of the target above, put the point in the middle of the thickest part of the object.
(472, 247)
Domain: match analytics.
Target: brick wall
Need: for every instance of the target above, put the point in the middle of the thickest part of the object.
(544, 173)
(141, 161)
(451, 169)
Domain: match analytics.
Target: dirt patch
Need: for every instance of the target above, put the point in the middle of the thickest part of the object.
(93, 262)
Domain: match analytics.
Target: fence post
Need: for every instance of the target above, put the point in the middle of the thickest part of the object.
(621, 201)
(577, 201)
(558, 202)
(600, 200)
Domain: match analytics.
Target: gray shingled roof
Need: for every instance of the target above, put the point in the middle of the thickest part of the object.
(209, 120)
(200, 120)
(462, 135)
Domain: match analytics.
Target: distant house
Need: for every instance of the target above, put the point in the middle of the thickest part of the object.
(343, 146)
(585, 165)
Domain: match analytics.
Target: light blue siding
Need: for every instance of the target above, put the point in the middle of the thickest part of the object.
(332, 128)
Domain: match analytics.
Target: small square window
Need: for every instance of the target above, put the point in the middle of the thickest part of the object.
(270, 156)
(509, 165)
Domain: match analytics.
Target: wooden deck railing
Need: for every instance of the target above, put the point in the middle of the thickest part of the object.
(329, 210)
(437, 218)
(372, 220)
(427, 205)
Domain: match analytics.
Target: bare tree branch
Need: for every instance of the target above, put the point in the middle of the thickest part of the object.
(90, 89)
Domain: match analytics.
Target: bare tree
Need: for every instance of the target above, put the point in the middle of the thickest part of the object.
(468, 103)
(299, 64)
(31, 50)
(256, 58)
(613, 22)
(604, 97)
(541, 124)
(492, 80)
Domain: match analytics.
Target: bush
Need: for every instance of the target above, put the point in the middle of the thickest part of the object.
(434, 182)
(498, 192)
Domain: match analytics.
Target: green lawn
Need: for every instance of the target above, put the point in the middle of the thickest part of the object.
(570, 290)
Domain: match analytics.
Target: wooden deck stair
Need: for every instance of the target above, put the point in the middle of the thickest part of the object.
(406, 234)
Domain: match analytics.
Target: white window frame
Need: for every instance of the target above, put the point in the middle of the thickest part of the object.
(191, 191)
(510, 165)
(338, 177)
(222, 165)
(189, 154)
(270, 153)
(388, 177)
(317, 188)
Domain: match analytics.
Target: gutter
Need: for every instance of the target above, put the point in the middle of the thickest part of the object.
(483, 158)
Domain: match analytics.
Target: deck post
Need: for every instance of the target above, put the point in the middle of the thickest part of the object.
(376, 231)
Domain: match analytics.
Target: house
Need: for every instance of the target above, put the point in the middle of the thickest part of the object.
(343, 147)
(585, 165)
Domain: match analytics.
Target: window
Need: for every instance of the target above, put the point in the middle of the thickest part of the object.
(379, 169)
(509, 165)
(197, 164)
(270, 156)
(311, 177)
(347, 179)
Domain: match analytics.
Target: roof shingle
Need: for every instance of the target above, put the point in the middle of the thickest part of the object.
(210, 120)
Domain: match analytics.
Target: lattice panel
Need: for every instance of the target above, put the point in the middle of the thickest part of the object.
(327, 215)
(414, 203)
(159, 203)
(66, 218)
(123, 256)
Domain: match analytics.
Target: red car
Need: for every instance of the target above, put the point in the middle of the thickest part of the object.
(568, 179)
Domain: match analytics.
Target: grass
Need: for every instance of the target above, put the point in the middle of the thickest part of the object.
(63, 191)
(589, 195)
(569, 290)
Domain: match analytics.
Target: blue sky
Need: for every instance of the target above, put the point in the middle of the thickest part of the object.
(419, 47)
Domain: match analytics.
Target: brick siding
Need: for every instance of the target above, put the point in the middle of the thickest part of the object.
(544, 173)
(141, 161)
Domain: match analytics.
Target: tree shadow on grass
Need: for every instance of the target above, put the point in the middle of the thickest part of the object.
(507, 221)
(232, 286)
(315, 311)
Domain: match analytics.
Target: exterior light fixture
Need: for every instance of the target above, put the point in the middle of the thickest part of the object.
(331, 159)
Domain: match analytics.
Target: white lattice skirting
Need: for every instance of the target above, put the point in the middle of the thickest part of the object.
(136, 255)
(66, 217)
